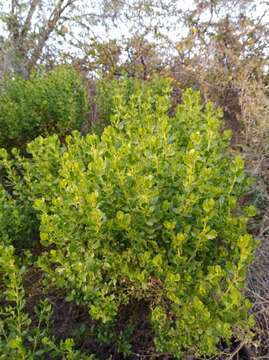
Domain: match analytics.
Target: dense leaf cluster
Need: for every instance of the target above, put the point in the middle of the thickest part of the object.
(47, 103)
(148, 211)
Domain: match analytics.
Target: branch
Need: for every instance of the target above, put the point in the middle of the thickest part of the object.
(27, 24)
(50, 26)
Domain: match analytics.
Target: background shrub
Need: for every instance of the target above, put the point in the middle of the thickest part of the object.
(52, 102)
(149, 212)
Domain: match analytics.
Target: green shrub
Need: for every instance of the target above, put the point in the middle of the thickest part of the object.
(105, 92)
(149, 212)
(53, 102)
(20, 338)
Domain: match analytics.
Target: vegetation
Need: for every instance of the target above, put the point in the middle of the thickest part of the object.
(146, 212)
(20, 338)
(134, 153)
(47, 103)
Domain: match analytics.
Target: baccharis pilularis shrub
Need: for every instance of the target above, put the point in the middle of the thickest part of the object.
(148, 211)
(49, 102)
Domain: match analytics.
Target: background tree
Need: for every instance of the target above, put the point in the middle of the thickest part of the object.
(33, 28)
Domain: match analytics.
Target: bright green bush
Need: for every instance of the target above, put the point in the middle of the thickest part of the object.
(54, 102)
(106, 88)
(150, 212)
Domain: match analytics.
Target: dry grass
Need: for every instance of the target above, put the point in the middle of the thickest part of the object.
(258, 279)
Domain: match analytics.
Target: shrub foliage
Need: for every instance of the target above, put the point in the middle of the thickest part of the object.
(53, 102)
(20, 337)
(105, 90)
(148, 211)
